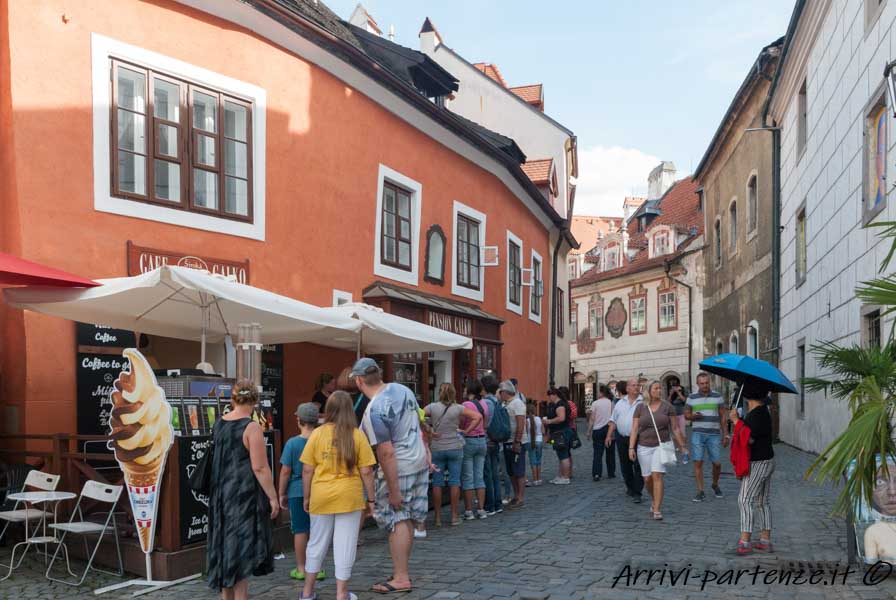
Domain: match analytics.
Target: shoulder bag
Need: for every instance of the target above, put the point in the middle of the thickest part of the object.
(666, 450)
(201, 477)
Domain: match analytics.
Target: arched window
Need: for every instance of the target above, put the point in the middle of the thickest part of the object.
(753, 339)
(733, 343)
(717, 242)
(435, 255)
(752, 203)
(732, 226)
(611, 257)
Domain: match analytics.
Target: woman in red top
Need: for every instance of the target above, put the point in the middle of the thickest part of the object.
(573, 415)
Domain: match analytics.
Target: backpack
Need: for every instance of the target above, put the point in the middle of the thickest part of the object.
(499, 428)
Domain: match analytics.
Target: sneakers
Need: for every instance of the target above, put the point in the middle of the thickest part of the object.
(505, 501)
(481, 514)
(529, 483)
(636, 498)
(499, 510)
(700, 497)
(468, 515)
(490, 513)
(744, 547)
(763, 546)
(539, 482)
(717, 491)
(419, 535)
(596, 478)
(560, 481)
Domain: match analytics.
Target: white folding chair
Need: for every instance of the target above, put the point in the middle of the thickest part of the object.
(45, 482)
(93, 490)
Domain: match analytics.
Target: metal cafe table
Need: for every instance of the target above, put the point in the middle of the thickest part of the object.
(31, 538)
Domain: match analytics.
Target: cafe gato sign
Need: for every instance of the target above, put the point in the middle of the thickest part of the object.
(142, 260)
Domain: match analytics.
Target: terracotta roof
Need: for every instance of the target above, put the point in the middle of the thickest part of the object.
(491, 71)
(632, 201)
(531, 94)
(539, 170)
(587, 228)
(679, 208)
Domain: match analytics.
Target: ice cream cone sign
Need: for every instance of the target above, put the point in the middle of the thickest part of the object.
(141, 436)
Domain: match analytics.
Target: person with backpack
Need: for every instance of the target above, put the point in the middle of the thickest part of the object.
(515, 448)
(557, 422)
(497, 432)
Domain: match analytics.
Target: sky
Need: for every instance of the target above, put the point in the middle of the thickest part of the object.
(638, 81)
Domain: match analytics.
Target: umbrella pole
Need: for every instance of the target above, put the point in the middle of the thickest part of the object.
(360, 343)
(204, 330)
(740, 391)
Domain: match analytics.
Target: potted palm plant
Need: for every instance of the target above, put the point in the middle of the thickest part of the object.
(865, 378)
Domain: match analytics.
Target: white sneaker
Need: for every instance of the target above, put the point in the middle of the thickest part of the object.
(469, 516)
(505, 501)
(481, 514)
(419, 534)
(560, 481)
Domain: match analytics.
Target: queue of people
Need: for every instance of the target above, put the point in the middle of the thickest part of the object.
(375, 451)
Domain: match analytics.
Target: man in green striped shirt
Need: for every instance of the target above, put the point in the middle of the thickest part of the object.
(705, 409)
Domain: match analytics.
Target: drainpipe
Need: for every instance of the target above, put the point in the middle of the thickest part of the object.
(668, 268)
(551, 366)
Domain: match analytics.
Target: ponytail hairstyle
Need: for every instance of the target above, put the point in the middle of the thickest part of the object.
(530, 415)
(341, 413)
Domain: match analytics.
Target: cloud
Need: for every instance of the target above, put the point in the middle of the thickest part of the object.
(607, 175)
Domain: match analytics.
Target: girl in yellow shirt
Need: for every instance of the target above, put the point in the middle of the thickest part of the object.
(336, 468)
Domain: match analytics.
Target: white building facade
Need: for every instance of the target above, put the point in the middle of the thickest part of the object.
(829, 100)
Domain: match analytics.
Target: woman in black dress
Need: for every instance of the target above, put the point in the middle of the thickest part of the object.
(243, 500)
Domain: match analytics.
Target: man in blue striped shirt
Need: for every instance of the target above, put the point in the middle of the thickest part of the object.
(709, 433)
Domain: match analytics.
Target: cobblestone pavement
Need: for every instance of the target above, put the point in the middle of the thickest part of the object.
(573, 542)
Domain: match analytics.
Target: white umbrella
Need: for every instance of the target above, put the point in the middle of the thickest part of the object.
(384, 333)
(186, 303)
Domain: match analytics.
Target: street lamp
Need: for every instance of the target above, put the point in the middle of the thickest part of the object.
(890, 76)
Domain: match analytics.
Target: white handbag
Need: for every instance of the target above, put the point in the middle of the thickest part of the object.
(666, 450)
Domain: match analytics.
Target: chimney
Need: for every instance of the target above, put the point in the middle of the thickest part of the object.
(391, 33)
(361, 18)
(630, 206)
(429, 37)
(661, 179)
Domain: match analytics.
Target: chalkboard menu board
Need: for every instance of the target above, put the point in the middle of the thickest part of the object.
(99, 364)
(272, 383)
(194, 506)
(101, 336)
(95, 376)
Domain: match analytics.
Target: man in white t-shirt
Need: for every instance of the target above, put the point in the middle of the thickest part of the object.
(515, 449)
(599, 424)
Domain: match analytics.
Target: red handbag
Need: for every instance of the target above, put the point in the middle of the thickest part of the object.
(740, 450)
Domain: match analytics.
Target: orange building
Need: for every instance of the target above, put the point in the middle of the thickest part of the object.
(276, 142)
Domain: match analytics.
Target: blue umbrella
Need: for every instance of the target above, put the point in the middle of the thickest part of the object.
(740, 368)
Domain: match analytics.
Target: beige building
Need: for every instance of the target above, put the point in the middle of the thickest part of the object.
(639, 310)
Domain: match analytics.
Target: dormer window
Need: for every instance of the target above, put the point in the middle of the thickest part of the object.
(661, 244)
(611, 257)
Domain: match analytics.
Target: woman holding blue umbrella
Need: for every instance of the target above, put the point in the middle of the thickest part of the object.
(756, 486)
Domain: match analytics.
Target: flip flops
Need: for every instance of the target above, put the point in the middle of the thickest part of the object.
(389, 589)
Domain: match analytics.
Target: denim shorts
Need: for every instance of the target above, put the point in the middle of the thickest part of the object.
(566, 452)
(473, 470)
(299, 520)
(449, 463)
(706, 444)
(535, 450)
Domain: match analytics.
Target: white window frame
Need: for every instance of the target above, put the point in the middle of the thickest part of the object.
(752, 207)
(670, 236)
(533, 256)
(754, 325)
(341, 297)
(518, 309)
(733, 239)
(451, 246)
(103, 50)
(734, 340)
(411, 277)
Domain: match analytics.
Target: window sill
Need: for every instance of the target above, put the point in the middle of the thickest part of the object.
(634, 333)
(515, 308)
(667, 329)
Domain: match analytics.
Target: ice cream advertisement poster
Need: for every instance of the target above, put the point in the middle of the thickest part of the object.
(875, 524)
(141, 436)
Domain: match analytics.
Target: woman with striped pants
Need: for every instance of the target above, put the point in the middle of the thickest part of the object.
(755, 488)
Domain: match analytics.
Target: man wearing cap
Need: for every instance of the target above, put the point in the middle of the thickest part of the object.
(392, 425)
(515, 450)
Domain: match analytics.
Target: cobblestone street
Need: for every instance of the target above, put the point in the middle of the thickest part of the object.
(573, 542)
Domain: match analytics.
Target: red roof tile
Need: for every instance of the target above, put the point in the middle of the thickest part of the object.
(531, 94)
(680, 210)
(491, 71)
(539, 171)
(587, 228)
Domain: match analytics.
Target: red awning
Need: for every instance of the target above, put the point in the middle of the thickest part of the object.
(18, 271)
